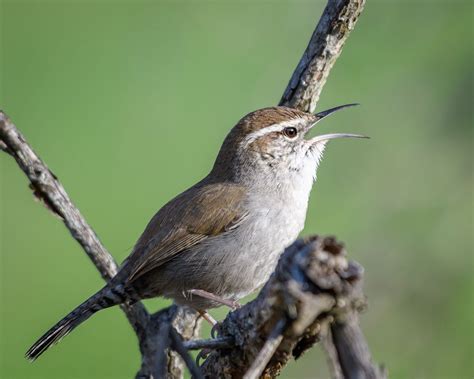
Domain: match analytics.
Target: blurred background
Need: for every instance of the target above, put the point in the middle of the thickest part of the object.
(128, 103)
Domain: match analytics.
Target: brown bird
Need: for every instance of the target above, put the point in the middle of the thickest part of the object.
(220, 240)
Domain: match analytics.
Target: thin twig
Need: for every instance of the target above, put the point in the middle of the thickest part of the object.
(179, 347)
(271, 345)
(215, 343)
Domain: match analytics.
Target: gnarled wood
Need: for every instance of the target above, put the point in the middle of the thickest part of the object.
(313, 285)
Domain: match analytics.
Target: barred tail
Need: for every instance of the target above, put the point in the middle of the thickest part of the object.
(105, 298)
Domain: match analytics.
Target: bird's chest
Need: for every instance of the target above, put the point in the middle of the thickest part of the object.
(273, 224)
(280, 214)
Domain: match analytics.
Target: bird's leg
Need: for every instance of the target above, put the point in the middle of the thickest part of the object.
(206, 316)
(211, 320)
(210, 296)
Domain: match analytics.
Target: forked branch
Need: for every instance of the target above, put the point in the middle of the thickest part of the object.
(313, 290)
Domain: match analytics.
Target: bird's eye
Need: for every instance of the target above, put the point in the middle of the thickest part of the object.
(290, 132)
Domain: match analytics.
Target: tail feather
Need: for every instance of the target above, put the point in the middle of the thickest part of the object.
(105, 298)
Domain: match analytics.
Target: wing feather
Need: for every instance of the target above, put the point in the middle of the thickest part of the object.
(199, 213)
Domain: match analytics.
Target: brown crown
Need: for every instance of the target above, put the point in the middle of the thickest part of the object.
(248, 124)
(267, 116)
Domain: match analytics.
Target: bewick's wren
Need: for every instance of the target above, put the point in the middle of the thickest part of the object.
(220, 240)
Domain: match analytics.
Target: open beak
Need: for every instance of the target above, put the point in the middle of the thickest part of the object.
(326, 137)
(321, 115)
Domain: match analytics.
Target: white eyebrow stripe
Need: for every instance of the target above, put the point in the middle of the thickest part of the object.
(269, 129)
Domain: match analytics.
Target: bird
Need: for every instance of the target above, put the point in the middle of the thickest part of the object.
(221, 239)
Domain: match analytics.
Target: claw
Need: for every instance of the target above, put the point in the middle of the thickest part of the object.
(203, 354)
(215, 330)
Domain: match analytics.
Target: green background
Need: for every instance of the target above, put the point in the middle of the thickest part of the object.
(128, 102)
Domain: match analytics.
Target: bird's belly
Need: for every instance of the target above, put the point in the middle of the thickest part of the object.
(234, 264)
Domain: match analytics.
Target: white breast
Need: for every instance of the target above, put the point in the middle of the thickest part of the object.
(278, 218)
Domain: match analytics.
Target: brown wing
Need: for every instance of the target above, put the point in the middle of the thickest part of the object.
(201, 212)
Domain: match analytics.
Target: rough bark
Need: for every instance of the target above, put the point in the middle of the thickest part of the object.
(313, 289)
(325, 46)
(159, 357)
(314, 285)
(352, 352)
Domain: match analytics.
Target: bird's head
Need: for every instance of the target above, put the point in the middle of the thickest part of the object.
(272, 141)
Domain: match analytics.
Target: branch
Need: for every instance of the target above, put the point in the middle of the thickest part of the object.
(352, 352)
(268, 350)
(158, 359)
(47, 189)
(297, 303)
(214, 343)
(325, 46)
(313, 283)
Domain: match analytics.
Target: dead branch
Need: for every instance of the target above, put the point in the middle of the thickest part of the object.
(325, 46)
(47, 188)
(352, 352)
(313, 285)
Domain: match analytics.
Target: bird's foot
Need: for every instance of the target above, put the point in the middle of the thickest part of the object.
(211, 320)
(232, 304)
